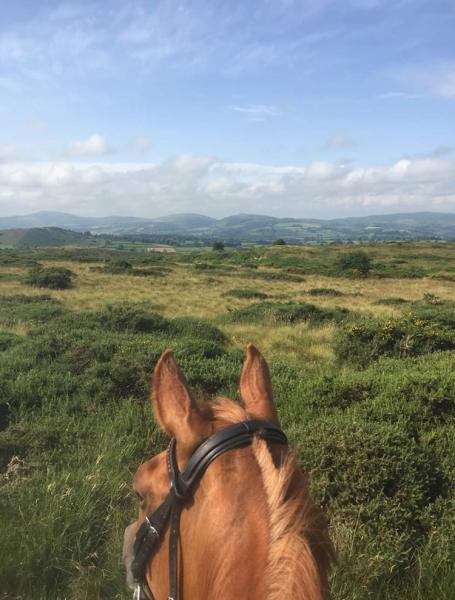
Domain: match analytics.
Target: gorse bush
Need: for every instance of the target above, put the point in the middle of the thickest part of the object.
(245, 293)
(117, 267)
(324, 292)
(32, 309)
(24, 299)
(284, 313)
(392, 301)
(55, 278)
(356, 263)
(192, 327)
(368, 339)
(377, 479)
(272, 276)
(130, 318)
(441, 313)
(124, 267)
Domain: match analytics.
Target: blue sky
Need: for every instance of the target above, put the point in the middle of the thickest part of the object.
(288, 107)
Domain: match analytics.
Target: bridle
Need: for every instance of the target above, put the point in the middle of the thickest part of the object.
(150, 534)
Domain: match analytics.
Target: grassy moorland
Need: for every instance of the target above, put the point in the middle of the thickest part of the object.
(362, 364)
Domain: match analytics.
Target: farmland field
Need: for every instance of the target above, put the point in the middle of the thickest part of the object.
(361, 345)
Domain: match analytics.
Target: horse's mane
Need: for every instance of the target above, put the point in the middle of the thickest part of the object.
(300, 551)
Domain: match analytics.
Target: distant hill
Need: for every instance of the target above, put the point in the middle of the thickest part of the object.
(187, 220)
(42, 237)
(250, 228)
(66, 221)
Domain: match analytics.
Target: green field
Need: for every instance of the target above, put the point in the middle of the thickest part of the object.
(362, 367)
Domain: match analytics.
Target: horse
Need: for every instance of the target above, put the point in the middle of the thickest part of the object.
(250, 529)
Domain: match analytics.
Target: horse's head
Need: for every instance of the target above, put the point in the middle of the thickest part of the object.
(232, 526)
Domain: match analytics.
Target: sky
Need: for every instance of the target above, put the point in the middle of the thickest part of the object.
(300, 108)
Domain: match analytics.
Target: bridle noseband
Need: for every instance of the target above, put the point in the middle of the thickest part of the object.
(150, 534)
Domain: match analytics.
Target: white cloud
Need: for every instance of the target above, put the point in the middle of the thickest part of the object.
(258, 112)
(95, 144)
(206, 185)
(9, 152)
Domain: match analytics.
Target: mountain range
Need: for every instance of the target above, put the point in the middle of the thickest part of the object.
(250, 228)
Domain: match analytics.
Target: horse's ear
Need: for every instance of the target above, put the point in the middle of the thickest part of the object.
(256, 387)
(173, 404)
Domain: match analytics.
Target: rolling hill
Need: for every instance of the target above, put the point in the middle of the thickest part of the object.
(42, 237)
(245, 227)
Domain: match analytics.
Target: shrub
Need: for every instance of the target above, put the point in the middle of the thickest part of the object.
(33, 309)
(123, 267)
(150, 272)
(192, 327)
(117, 267)
(324, 292)
(391, 301)
(359, 463)
(11, 259)
(55, 278)
(7, 340)
(369, 339)
(285, 313)
(377, 481)
(23, 299)
(218, 246)
(442, 314)
(415, 392)
(272, 276)
(338, 390)
(130, 318)
(279, 242)
(245, 293)
(357, 263)
(392, 270)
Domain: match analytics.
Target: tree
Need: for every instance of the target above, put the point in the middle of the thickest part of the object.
(218, 246)
(358, 262)
(279, 242)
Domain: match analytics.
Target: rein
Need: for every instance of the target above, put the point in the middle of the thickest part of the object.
(150, 534)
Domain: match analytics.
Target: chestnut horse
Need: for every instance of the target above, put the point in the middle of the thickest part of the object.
(251, 530)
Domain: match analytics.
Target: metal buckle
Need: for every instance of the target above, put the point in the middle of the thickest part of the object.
(152, 529)
(137, 592)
